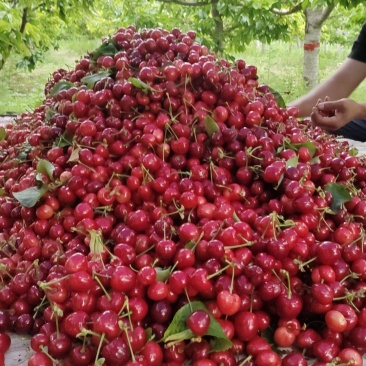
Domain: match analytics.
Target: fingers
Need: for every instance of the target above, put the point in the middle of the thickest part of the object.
(328, 123)
(328, 106)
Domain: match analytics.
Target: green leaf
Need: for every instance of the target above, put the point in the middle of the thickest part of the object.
(292, 162)
(353, 151)
(179, 336)
(106, 49)
(64, 140)
(74, 155)
(309, 145)
(178, 330)
(340, 195)
(2, 134)
(44, 166)
(61, 85)
(96, 242)
(280, 101)
(30, 196)
(211, 126)
(140, 84)
(100, 362)
(50, 112)
(162, 274)
(91, 79)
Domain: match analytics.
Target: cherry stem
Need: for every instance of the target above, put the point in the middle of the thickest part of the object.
(287, 286)
(350, 296)
(3, 268)
(126, 305)
(223, 269)
(43, 349)
(189, 300)
(352, 275)
(246, 244)
(45, 285)
(39, 306)
(231, 288)
(245, 361)
(303, 264)
(129, 344)
(95, 276)
(99, 347)
(58, 312)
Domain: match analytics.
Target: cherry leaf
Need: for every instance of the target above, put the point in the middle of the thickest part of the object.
(96, 243)
(91, 79)
(340, 195)
(178, 330)
(278, 97)
(2, 134)
(353, 151)
(310, 146)
(211, 126)
(74, 155)
(50, 112)
(106, 49)
(44, 166)
(59, 86)
(23, 153)
(64, 140)
(162, 274)
(180, 336)
(140, 84)
(100, 362)
(292, 162)
(30, 196)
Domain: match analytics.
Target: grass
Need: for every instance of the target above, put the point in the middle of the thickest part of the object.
(279, 65)
(22, 90)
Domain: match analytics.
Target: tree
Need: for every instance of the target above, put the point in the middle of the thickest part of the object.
(233, 24)
(31, 27)
(230, 25)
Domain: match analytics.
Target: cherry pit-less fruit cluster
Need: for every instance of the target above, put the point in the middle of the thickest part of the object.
(161, 207)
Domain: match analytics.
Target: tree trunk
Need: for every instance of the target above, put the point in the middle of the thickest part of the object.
(313, 26)
(219, 29)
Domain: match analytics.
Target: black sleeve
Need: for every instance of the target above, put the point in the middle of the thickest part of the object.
(358, 51)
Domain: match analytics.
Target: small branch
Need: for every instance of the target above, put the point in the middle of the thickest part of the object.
(293, 10)
(188, 3)
(326, 12)
(24, 20)
(231, 29)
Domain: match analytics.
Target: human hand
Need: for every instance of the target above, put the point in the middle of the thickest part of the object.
(332, 115)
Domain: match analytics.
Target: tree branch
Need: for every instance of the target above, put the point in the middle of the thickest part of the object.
(24, 20)
(326, 12)
(232, 28)
(293, 10)
(189, 3)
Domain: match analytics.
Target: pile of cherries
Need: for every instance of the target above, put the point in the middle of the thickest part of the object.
(161, 207)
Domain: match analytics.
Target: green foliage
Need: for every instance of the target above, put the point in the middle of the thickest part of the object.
(23, 90)
(351, 21)
(29, 28)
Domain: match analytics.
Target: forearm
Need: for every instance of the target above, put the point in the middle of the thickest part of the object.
(330, 88)
(340, 85)
(359, 111)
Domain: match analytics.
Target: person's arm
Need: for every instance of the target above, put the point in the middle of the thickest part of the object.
(339, 85)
